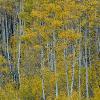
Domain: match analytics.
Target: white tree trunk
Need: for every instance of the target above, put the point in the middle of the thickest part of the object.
(73, 69)
(67, 81)
(7, 41)
(42, 67)
(54, 59)
(86, 65)
(79, 73)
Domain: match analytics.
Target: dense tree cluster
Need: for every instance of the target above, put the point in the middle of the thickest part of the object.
(49, 50)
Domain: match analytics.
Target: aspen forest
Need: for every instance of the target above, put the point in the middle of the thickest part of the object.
(49, 49)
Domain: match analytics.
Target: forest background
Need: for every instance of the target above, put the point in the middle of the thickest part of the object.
(49, 50)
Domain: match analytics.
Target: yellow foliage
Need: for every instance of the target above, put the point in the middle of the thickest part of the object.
(56, 23)
(63, 15)
(29, 35)
(39, 14)
(37, 47)
(36, 86)
(74, 96)
(97, 94)
(70, 34)
(2, 60)
(52, 80)
(60, 46)
(8, 93)
(35, 13)
(62, 96)
(52, 7)
(4, 69)
(13, 41)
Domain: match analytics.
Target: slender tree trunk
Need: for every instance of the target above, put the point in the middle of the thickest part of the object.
(7, 41)
(67, 81)
(80, 58)
(73, 70)
(19, 45)
(3, 35)
(54, 59)
(79, 73)
(51, 59)
(42, 67)
(86, 63)
(90, 57)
